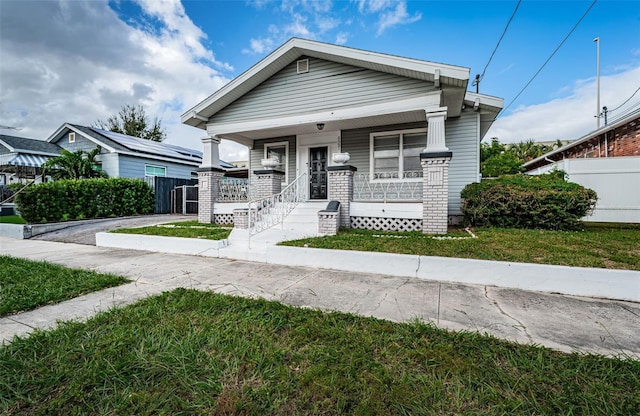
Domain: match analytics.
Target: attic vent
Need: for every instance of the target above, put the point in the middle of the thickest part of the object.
(72, 137)
(303, 66)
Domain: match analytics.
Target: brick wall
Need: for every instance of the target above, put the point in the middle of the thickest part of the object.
(340, 184)
(208, 190)
(328, 222)
(268, 182)
(435, 193)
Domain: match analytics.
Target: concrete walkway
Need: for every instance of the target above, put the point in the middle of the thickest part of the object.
(566, 323)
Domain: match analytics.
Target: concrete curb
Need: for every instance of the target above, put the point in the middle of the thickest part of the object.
(575, 281)
(172, 245)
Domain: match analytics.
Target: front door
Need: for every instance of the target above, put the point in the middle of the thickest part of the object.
(318, 172)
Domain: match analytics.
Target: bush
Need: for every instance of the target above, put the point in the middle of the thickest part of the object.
(82, 199)
(521, 201)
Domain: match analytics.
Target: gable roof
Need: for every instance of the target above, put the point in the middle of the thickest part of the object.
(132, 146)
(17, 144)
(294, 48)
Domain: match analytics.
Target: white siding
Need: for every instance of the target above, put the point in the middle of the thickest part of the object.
(327, 85)
(463, 140)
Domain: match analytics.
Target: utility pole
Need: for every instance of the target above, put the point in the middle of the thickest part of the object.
(604, 112)
(597, 41)
(477, 83)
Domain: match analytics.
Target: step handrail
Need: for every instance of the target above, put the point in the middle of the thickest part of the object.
(266, 212)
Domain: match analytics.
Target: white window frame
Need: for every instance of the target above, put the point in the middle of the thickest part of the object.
(286, 156)
(146, 165)
(401, 133)
(72, 137)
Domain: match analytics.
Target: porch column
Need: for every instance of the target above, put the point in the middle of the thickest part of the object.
(209, 175)
(340, 188)
(435, 170)
(268, 182)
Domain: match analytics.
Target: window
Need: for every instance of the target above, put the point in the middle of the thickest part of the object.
(151, 170)
(280, 152)
(72, 137)
(396, 154)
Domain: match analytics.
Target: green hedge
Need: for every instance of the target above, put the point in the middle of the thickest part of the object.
(521, 201)
(83, 199)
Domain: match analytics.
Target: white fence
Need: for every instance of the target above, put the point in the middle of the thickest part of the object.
(615, 179)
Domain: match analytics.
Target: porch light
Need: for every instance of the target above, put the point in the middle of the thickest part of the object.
(320, 126)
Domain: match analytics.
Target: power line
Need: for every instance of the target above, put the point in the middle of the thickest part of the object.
(626, 101)
(499, 41)
(552, 55)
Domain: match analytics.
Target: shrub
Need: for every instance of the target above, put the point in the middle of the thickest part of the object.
(87, 198)
(521, 201)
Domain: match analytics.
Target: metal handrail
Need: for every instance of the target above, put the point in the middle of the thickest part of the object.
(266, 212)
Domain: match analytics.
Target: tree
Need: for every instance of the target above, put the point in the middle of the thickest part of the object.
(133, 121)
(75, 165)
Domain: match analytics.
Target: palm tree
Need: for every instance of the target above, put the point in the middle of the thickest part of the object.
(75, 165)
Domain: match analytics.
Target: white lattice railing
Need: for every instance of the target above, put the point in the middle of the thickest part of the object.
(267, 212)
(387, 186)
(234, 190)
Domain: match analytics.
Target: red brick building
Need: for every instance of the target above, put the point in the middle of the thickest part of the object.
(621, 138)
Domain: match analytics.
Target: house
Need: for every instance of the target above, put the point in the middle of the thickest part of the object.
(127, 156)
(411, 129)
(21, 158)
(606, 160)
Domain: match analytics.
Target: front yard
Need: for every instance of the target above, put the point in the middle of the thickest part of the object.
(190, 352)
(26, 284)
(184, 229)
(611, 246)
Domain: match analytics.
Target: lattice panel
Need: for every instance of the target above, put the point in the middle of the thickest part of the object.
(223, 218)
(386, 224)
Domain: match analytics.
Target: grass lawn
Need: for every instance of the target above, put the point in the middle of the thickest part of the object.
(190, 352)
(611, 246)
(185, 229)
(26, 284)
(12, 219)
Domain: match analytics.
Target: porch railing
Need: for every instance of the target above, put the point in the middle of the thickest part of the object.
(234, 190)
(388, 186)
(266, 212)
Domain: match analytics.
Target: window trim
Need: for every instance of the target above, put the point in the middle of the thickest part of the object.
(401, 133)
(146, 165)
(286, 156)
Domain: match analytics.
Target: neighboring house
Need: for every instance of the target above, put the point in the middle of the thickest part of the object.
(22, 158)
(606, 160)
(308, 100)
(127, 156)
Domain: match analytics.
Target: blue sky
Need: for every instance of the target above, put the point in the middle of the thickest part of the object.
(81, 61)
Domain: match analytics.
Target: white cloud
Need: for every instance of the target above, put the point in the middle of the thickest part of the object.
(572, 115)
(397, 16)
(79, 62)
(341, 38)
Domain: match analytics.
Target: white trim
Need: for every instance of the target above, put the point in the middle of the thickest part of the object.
(286, 156)
(484, 100)
(409, 210)
(428, 103)
(146, 165)
(400, 133)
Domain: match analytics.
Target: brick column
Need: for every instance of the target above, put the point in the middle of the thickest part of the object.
(268, 182)
(340, 185)
(435, 192)
(208, 190)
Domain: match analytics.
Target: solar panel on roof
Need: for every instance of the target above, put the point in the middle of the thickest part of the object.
(151, 147)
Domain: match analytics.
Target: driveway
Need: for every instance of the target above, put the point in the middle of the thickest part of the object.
(84, 232)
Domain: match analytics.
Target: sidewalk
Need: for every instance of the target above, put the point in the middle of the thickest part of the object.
(566, 323)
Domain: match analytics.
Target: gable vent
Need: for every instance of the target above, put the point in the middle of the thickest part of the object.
(72, 137)
(303, 66)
